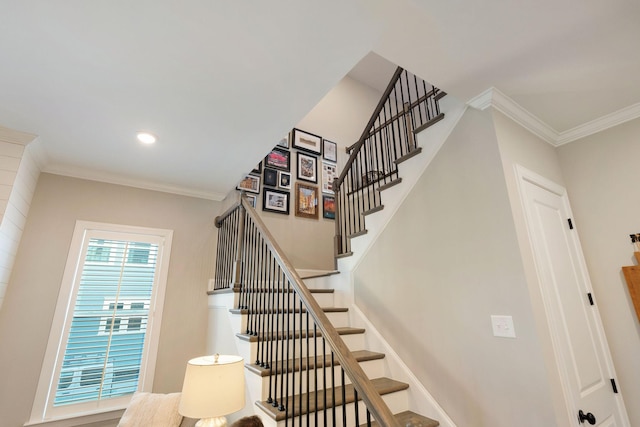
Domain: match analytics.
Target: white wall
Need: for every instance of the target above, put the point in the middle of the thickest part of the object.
(31, 296)
(446, 262)
(520, 147)
(602, 180)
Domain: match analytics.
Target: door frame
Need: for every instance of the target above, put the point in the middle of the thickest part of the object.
(522, 174)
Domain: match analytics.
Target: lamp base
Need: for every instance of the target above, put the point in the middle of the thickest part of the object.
(212, 422)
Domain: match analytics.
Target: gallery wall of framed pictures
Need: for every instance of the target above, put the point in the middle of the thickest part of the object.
(307, 183)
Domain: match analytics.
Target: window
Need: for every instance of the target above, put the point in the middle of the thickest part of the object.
(104, 337)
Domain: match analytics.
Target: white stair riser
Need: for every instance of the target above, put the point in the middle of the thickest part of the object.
(372, 368)
(279, 323)
(397, 402)
(289, 300)
(248, 349)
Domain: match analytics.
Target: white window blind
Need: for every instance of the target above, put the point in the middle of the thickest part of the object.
(106, 338)
(101, 348)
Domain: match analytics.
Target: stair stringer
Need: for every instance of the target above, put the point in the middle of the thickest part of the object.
(419, 399)
(430, 140)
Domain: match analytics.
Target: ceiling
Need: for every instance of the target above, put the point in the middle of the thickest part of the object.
(219, 82)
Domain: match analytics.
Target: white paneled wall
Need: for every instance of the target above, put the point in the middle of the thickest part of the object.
(18, 177)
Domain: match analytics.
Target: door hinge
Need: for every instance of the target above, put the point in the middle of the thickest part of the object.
(590, 298)
(570, 223)
(613, 386)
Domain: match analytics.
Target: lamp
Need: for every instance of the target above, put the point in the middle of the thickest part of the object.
(213, 387)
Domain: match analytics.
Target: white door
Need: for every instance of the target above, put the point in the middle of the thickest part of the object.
(579, 343)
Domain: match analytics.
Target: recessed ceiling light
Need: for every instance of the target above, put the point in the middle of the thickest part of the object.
(146, 137)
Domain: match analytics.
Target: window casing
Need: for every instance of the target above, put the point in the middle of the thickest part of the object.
(104, 337)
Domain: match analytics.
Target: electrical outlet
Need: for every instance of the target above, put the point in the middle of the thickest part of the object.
(503, 326)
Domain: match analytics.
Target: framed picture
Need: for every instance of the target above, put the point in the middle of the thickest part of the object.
(270, 177)
(306, 201)
(275, 201)
(284, 180)
(258, 169)
(328, 207)
(250, 183)
(329, 151)
(253, 199)
(278, 159)
(306, 141)
(307, 167)
(284, 142)
(329, 173)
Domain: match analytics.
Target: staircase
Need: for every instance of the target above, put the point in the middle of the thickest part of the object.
(306, 363)
(311, 372)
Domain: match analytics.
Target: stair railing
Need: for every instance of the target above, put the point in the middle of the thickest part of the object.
(292, 332)
(407, 106)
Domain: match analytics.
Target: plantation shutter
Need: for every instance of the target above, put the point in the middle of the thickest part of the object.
(106, 336)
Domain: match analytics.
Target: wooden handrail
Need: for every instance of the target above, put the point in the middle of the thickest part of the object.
(218, 220)
(372, 120)
(350, 365)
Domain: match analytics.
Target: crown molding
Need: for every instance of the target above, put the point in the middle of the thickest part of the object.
(598, 125)
(492, 97)
(111, 178)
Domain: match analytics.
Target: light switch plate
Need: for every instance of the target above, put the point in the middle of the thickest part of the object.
(503, 326)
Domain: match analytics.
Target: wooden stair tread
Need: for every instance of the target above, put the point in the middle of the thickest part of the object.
(281, 335)
(409, 155)
(388, 180)
(373, 210)
(290, 290)
(431, 122)
(298, 404)
(390, 184)
(290, 311)
(293, 365)
(357, 234)
(344, 255)
(408, 418)
(318, 273)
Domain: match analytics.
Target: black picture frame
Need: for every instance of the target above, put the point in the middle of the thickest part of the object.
(270, 177)
(278, 159)
(328, 207)
(307, 168)
(275, 201)
(284, 180)
(250, 183)
(306, 141)
(329, 150)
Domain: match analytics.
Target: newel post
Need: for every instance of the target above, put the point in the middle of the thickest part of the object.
(237, 264)
(337, 239)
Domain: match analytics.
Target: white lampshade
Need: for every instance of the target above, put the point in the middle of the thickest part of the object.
(213, 387)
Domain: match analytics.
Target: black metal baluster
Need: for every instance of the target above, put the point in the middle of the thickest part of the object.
(344, 398)
(356, 406)
(301, 337)
(293, 357)
(333, 389)
(279, 329)
(315, 369)
(260, 303)
(269, 313)
(324, 379)
(308, 367)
